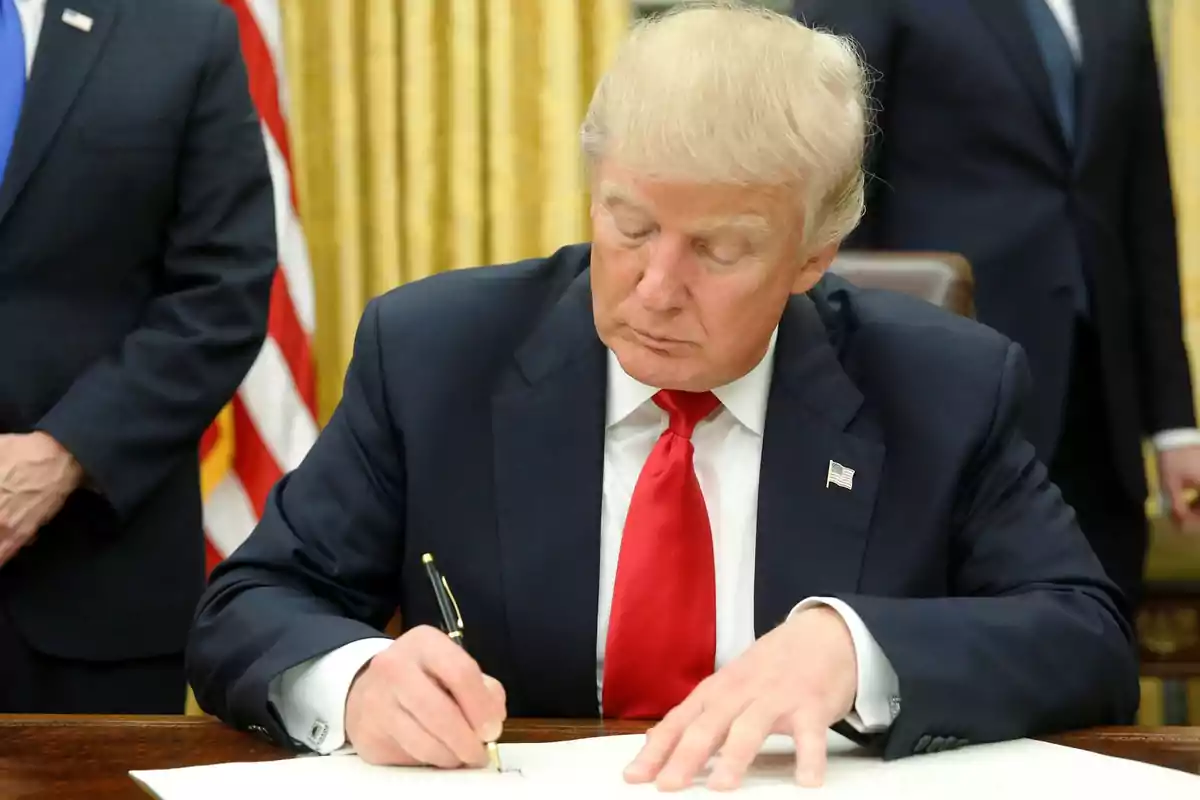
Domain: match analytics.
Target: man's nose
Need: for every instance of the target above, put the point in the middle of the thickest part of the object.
(661, 286)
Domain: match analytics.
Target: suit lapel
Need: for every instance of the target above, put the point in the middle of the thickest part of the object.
(1009, 24)
(811, 536)
(64, 57)
(548, 427)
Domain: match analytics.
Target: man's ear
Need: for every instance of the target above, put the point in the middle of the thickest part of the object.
(814, 268)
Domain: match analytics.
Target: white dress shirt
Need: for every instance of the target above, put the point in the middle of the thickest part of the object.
(1064, 12)
(32, 13)
(310, 697)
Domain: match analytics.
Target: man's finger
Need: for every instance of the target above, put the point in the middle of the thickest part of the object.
(429, 704)
(742, 745)
(460, 675)
(661, 741)
(808, 731)
(696, 746)
(413, 738)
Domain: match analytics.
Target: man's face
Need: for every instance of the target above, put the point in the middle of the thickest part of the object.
(690, 280)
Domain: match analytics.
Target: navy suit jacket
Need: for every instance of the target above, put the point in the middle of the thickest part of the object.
(472, 426)
(970, 157)
(137, 252)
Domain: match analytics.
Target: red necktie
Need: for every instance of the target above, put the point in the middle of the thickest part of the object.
(662, 632)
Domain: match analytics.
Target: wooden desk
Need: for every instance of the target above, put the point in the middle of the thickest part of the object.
(89, 757)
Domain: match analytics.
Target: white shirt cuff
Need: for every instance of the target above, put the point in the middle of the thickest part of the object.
(1176, 437)
(877, 701)
(310, 697)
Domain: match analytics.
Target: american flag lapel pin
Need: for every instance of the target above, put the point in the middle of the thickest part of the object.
(77, 19)
(840, 476)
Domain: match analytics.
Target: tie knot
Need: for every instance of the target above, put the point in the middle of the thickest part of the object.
(685, 409)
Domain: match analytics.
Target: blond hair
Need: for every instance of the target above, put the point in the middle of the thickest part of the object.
(724, 92)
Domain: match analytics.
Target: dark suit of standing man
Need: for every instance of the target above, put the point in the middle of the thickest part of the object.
(1028, 136)
(137, 247)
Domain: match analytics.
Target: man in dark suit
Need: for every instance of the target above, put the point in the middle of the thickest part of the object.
(137, 248)
(679, 473)
(1028, 136)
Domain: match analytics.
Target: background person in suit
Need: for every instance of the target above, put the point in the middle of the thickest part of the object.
(680, 472)
(1028, 136)
(137, 248)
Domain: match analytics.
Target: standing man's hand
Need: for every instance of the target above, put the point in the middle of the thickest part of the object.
(424, 700)
(37, 474)
(798, 680)
(1179, 476)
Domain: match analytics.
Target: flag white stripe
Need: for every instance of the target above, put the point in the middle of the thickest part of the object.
(228, 515)
(279, 415)
(293, 250)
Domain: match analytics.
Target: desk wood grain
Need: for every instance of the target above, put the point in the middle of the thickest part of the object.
(89, 757)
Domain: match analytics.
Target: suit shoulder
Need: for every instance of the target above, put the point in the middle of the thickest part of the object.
(845, 304)
(180, 12)
(889, 331)
(477, 310)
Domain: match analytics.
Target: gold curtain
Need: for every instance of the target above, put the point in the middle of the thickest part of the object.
(432, 135)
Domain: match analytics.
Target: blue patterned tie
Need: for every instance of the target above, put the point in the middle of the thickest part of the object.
(1059, 62)
(12, 78)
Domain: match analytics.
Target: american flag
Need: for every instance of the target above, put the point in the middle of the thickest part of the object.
(839, 475)
(272, 421)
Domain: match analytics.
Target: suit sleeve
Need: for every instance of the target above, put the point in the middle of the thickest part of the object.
(131, 417)
(1154, 260)
(319, 571)
(873, 27)
(1031, 638)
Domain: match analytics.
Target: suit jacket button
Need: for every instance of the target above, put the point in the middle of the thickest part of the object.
(922, 743)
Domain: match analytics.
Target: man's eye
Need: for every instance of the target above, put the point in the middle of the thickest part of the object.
(723, 255)
(636, 233)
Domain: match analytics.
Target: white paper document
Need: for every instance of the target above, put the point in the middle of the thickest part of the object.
(592, 768)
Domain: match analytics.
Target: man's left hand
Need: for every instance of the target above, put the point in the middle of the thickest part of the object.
(798, 680)
(36, 476)
(1179, 476)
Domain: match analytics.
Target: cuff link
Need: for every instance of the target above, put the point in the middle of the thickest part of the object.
(316, 734)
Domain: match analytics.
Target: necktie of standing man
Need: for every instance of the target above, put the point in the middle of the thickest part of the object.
(12, 78)
(662, 632)
(1062, 71)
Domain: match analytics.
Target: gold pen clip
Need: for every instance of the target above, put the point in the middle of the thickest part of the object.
(457, 614)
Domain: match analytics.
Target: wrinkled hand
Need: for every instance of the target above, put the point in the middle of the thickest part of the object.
(36, 476)
(1179, 476)
(424, 700)
(798, 679)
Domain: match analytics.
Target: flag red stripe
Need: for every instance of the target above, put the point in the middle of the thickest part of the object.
(211, 556)
(264, 84)
(212, 435)
(252, 461)
(284, 328)
(254, 466)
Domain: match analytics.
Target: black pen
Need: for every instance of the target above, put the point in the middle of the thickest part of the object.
(452, 621)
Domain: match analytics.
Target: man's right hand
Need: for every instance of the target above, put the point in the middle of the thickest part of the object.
(424, 700)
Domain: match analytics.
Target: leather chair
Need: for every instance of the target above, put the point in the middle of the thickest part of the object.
(943, 279)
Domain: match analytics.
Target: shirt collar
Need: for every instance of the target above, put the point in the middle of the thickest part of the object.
(745, 398)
